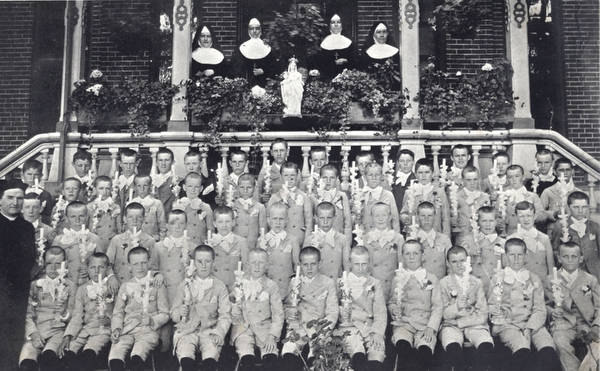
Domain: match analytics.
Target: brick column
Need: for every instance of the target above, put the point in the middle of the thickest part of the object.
(182, 54)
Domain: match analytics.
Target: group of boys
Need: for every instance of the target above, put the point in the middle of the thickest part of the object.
(155, 263)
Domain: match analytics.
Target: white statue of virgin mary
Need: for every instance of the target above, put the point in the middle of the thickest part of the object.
(292, 88)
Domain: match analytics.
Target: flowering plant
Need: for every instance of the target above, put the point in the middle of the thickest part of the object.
(328, 347)
(92, 98)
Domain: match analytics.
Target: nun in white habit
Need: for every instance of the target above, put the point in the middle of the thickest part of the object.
(254, 58)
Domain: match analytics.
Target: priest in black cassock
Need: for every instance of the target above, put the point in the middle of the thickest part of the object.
(18, 256)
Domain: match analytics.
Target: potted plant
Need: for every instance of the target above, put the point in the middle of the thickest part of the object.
(92, 99)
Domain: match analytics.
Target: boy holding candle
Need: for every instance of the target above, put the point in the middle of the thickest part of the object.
(317, 158)
(251, 216)
(166, 183)
(362, 313)
(155, 220)
(312, 296)
(469, 199)
(69, 193)
(202, 311)
(199, 214)
(31, 175)
(238, 161)
(404, 176)
(374, 193)
(384, 246)
(271, 173)
(574, 304)
(141, 308)
(82, 164)
(465, 314)
(258, 317)
(123, 243)
(554, 198)
(51, 302)
(416, 309)
(32, 207)
(89, 328)
(104, 212)
(497, 181)
(542, 176)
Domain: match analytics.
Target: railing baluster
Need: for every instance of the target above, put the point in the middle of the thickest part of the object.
(114, 156)
(345, 171)
(94, 167)
(435, 150)
(305, 167)
(592, 187)
(476, 150)
(224, 155)
(45, 157)
(247, 150)
(153, 153)
(385, 153)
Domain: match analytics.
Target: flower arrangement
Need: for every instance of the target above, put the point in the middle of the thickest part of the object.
(461, 18)
(92, 99)
(328, 347)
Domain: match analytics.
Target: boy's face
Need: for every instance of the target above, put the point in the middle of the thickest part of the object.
(224, 223)
(309, 264)
(579, 209)
(487, 223)
(362, 162)
(176, 225)
(290, 176)
(277, 219)
(471, 180)
(457, 263)
(329, 178)
(566, 170)
(71, 190)
(526, 218)
(134, 218)
(359, 264)
(544, 163)
(192, 164)
(28, 176)
(204, 263)
(246, 189)
(373, 176)
(405, 163)
(503, 164)
(258, 262)
(82, 167)
(138, 264)
(164, 162)
(77, 216)
(412, 255)
(426, 218)
(381, 216)
(318, 159)
(31, 210)
(95, 267)
(325, 219)
(104, 189)
(52, 265)
(570, 258)
(279, 153)
(143, 186)
(238, 164)
(516, 257)
(128, 165)
(460, 157)
(515, 178)
(424, 175)
(193, 187)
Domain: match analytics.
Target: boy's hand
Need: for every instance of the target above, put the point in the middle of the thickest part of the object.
(461, 302)
(216, 340)
(377, 341)
(397, 312)
(113, 285)
(114, 337)
(64, 346)
(292, 314)
(82, 271)
(270, 344)
(428, 334)
(495, 311)
(344, 312)
(146, 320)
(104, 321)
(184, 311)
(158, 280)
(557, 313)
(36, 340)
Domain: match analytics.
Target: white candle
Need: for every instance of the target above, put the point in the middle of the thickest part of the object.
(117, 175)
(100, 278)
(316, 228)
(41, 233)
(239, 266)
(298, 271)
(444, 164)
(561, 177)
(62, 265)
(312, 169)
(414, 220)
(130, 194)
(37, 183)
(262, 232)
(192, 263)
(499, 265)
(148, 277)
(90, 174)
(185, 234)
(500, 189)
(555, 273)
(345, 276)
(134, 230)
(562, 211)
(518, 228)
(496, 165)
(400, 266)
(353, 164)
(209, 235)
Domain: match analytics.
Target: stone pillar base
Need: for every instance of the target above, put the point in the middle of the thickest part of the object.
(523, 123)
(178, 125)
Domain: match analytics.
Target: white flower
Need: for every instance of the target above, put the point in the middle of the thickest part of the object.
(258, 92)
(458, 73)
(94, 89)
(165, 23)
(314, 73)
(431, 66)
(487, 67)
(96, 74)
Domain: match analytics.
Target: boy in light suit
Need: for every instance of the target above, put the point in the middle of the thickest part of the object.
(251, 216)
(469, 199)
(375, 193)
(552, 198)
(128, 163)
(104, 212)
(435, 244)
(32, 207)
(279, 151)
(491, 185)
(82, 164)
(199, 213)
(165, 183)
(155, 219)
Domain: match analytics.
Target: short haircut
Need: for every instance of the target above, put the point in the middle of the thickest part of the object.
(193, 176)
(55, 251)
(192, 153)
(424, 162)
(374, 165)
(317, 150)
(515, 167)
(569, 244)
(177, 212)
(524, 206)
(82, 154)
(459, 146)
(562, 161)
(413, 242)
(238, 152)
(204, 248)
(380, 204)
(289, 165)
(223, 210)
(75, 205)
(359, 251)
(32, 196)
(515, 241)
(310, 250)
(406, 152)
(544, 152)
(102, 178)
(247, 177)
(139, 177)
(137, 251)
(329, 167)
(127, 152)
(501, 154)
(325, 206)
(100, 256)
(279, 140)
(32, 164)
(425, 205)
(469, 169)
(165, 150)
(455, 250)
(486, 210)
(577, 196)
(259, 251)
(368, 154)
(71, 179)
(135, 206)
(276, 206)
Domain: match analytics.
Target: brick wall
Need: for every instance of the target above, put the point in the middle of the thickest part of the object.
(373, 11)
(16, 44)
(582, 66)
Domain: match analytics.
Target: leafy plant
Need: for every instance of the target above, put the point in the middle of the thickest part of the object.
(459, 17)
(328, 347)
(92, 98)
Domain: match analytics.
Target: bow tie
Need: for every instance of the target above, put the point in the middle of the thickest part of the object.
(456, 171)
(569, 277)
(401, 178)
(171, 242)
(491, 237)
(383, 237)
(510, 276)
(328, 196)
(356, 284)
(83, 180)
(546, 178)
(226, 241)
(246, 202)
(37, 190)
(233, 179)
(71, 236)
(424, 190)
(125, 182)
(104, 205)
(375, 193)
(200, 286)
(420, 275)
(274, 239)
(251, 289)
(160, 179)
(146, 201)
(427, 236)
(579, 226)
(327, 237)
(307, 281)
(517, 195)
(50, 285)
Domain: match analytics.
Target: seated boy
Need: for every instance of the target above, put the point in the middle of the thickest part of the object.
(491, 185)
(202, 311)
(250, 215)
(374, 193)
(465, 315)
(141, 309)
(69, 193)
(362, 313)
(516, 194)
(404, 176)
(333, 247)
(579, 309)
(583, 231)
(469, 199)
(123, 243)
(518, 311)
(51, 302)
(199, 214)
(298, 203)
(435, 244)
(279, 152)
(258, 317)
(416, 309)
(31, 174)
(485, 247)
(166, 183)
(89, 328)
(545, 177)
(384, 246)
(311, 297)
(32, 207)
(230, 249)
(555, 197)
(155, 219)
(104, 212)
(82, 164)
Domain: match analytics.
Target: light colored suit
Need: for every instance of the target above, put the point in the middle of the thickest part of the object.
(74, 257)
(155, 218)
(511, 214)
(333, 258)
(199, 219)
(589, 243)
(434, 257)
(118, 249)
(227, 256)
(466, 206)
(387, 197)
(108, 224)
(485, 255)
(342, 222)
(164, 193)
(539, 258)
(249, 221)
(384, 257)
(438, 198)
(281, 261)
(300, 217)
